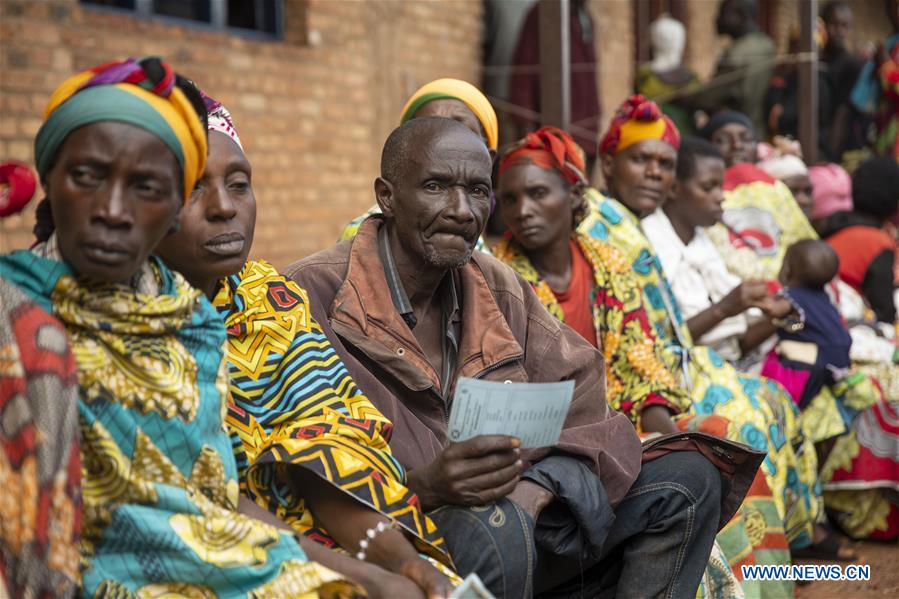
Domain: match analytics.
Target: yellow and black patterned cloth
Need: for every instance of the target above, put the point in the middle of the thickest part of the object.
(295, 405)
(159, 480)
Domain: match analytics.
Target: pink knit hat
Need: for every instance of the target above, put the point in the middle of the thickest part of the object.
(831, 191)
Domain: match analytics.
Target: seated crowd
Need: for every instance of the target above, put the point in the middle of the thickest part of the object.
(181, 420)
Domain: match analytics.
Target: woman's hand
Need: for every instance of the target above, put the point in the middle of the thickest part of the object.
(428, 578)
(387, 585)
(747, 294)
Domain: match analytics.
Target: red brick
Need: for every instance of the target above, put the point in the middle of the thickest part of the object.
(312, 118)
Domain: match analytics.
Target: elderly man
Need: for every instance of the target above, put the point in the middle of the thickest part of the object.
(413, 308)
(452, 99)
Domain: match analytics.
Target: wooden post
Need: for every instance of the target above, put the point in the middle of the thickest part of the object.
(808, 80)
(641, 30)
(555, 63)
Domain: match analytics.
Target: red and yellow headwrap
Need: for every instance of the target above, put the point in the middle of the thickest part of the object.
(638, 119)
(550, 148)
(141, 92)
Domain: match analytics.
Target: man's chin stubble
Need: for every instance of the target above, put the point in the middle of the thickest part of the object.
(433, 258)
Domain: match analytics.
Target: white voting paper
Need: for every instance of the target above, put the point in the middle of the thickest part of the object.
(471, 588)
(533, 412)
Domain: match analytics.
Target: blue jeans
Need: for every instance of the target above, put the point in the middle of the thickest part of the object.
(496, 541)
(658, 545)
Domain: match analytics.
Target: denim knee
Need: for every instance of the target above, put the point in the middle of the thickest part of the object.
(494, 541)
(694, 472)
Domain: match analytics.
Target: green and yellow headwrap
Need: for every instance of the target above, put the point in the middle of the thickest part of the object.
(140, 92)
(455, 89)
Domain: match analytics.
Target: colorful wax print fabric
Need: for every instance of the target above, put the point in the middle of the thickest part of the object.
(159, 478)
(636, 376)
(761, 220)
(293, 404)
(40, 468)
(760, 412)
(861, 473)
(755, 535)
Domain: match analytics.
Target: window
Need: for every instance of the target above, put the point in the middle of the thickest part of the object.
(112, 3)
(258, 15)
(192, 10)
(262, 16)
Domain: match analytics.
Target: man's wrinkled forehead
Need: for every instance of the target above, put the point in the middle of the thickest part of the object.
(450, 149)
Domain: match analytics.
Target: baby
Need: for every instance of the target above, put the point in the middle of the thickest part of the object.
(813, 343)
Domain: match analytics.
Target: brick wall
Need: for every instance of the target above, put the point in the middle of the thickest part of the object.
(615, 47)
(312, 110)
(704, 45)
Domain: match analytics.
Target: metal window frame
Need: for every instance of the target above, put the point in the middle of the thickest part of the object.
(218, 18)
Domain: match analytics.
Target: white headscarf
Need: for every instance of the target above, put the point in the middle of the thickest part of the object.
(782, 167)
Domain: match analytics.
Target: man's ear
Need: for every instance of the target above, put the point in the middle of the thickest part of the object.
(384, 196)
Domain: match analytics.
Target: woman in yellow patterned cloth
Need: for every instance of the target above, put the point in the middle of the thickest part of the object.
(639, 168)
(311, 449)
(120, 149)
(541, 199)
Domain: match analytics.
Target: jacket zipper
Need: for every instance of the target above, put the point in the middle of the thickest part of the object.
(496, 366)
(443, 406)
(443, 401)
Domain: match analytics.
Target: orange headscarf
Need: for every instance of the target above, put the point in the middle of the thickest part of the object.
(638, 119)
(550, 148)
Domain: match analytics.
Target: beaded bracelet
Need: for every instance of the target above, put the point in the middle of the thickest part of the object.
(790, 323)
(370, 535)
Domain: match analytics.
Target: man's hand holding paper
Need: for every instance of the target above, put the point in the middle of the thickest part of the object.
(478, 471)
(532, 412)
(489, 424)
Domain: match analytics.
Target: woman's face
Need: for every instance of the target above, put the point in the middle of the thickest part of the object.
(536, 205)
(218, 221)
(736, 142)
(698, 199)
(641, 175)
(115, 191)
(801, 186)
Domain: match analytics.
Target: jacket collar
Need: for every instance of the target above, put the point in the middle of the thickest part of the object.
(364, 314)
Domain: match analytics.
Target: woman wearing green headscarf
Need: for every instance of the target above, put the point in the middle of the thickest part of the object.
(119, 151)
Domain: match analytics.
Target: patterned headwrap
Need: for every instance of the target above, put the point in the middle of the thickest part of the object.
(549, 148)
(638, 119)
(137, 91)
(219, 119)
(455, 89)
